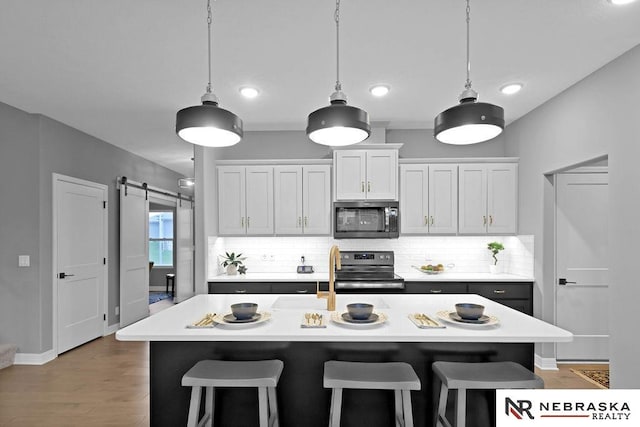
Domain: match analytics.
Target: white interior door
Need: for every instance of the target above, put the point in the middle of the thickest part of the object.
(80, 238)
(134, 255)
(582, 260)
(184, 251)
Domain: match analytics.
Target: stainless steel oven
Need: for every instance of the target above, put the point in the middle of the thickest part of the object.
(366, 220)
(367, 271)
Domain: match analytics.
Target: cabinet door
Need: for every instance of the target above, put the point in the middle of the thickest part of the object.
(382, 175)
(502, 199)
(350, 174)
(316, 199)
(472, 200)
(288, 199)
(231, 200)
(259, 200)
(443, 199)
(414, 203)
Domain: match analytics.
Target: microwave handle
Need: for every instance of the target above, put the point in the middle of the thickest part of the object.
(386, 219)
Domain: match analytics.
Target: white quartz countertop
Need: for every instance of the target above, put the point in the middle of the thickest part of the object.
(409, 275)
(287, 313)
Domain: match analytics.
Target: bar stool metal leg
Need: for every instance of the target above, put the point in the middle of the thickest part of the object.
(406, 408)
(336, 407)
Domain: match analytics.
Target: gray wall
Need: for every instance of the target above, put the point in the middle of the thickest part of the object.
(597, 116)
(33, 147)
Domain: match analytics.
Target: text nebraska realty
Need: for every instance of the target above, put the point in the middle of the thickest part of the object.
(596, 410)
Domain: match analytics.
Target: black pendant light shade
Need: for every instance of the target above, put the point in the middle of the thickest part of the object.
(338, 124)
(209, 125)
(469, 122)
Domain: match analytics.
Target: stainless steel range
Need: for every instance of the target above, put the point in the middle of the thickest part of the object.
(367, 271)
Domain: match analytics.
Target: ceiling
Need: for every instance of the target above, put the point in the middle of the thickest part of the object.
(120, 69)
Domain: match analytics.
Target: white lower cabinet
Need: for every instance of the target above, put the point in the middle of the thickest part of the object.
(429, 199)
(488, 198)
(302, 199)
(245, 200)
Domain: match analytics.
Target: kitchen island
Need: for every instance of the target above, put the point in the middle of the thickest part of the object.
(302, 399)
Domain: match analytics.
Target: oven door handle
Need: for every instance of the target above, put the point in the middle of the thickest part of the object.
(369, 285)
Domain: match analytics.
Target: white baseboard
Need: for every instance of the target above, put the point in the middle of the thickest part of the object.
(112, 329)
(545, 363)
(35, 358)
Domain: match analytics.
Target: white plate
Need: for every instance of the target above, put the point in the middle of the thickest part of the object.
(336, 317)
(446, 316)
(219, 319)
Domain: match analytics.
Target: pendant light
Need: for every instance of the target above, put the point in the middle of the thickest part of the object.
(338, 124)
(208, 124)
(469, 122)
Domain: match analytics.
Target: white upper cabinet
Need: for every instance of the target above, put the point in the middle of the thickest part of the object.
(245, 200)
(488, 198)
(429, 199)
(302, 199)
(366, 174)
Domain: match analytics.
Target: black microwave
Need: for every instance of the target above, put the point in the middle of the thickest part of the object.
(366, 220)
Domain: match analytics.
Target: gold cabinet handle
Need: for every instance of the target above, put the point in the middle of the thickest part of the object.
(306, 222)
(248, 221)
(362, 186)
(484, 220)
(369, 187)
(431, 220)
(490, 219)
(299, 222)
(242, 221)
(426, 220)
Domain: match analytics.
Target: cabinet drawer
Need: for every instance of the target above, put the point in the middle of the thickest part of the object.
(502, 290)
(435, 288)
(239, 288)
(293, 288)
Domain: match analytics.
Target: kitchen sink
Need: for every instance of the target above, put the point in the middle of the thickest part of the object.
(311, 302)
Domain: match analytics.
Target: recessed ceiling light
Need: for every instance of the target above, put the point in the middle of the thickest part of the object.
(621, 2)
(511, 88)
(249, 92)
(379, 90)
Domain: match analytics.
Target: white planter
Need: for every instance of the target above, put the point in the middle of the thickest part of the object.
(494, 269)
(232, 270)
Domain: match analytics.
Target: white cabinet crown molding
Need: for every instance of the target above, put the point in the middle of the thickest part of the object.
(389, 146)
(461, 160)
(274, 162)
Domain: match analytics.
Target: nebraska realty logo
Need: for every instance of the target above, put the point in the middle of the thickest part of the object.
(567, 408)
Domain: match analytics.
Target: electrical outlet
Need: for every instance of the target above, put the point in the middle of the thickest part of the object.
(117, 311)
(263, 257)
(272, 258)
(24, 261)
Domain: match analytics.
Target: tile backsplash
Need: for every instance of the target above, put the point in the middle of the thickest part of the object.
(468, 253)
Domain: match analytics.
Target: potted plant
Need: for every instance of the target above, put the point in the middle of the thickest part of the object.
(231, 262)
(495, 248)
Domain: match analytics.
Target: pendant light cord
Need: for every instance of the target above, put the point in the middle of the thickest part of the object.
(209, 20)
(336, 17)
(468, 83)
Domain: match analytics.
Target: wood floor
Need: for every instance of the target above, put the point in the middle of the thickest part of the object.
(105, 383)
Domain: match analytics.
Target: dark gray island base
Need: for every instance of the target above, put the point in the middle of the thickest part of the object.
(302, 400)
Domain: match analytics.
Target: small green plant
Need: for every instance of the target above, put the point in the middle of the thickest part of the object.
(232, 259)
(495, 248)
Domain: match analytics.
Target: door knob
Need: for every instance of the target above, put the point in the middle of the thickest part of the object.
(564, 282)
(63, 275)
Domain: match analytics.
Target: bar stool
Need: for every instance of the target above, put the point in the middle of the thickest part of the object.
(171, 279)
(263, 374)
(470, 376)
(397, 376)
